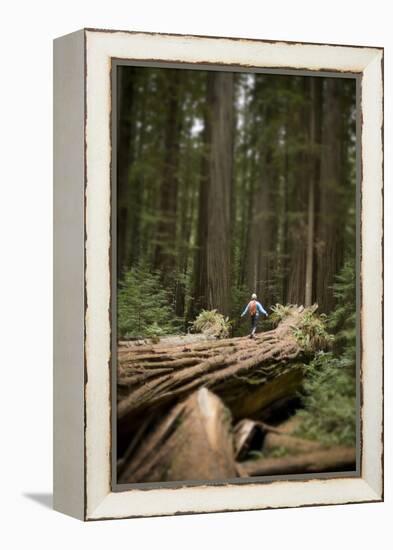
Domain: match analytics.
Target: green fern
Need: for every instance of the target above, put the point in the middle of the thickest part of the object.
(212, 323)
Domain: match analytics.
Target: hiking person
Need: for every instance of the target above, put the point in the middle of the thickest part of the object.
(254, 308)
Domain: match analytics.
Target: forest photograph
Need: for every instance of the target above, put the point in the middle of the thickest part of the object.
(235, 274)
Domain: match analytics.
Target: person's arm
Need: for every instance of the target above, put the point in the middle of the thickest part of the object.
(245, 310)
(261, 308)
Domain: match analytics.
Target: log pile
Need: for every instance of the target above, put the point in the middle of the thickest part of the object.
(193, 411)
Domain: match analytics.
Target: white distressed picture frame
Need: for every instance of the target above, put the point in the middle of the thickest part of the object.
(82, 251)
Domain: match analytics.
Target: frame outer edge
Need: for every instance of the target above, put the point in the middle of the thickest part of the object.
(372, 272)
(68, 288)
(108, 505)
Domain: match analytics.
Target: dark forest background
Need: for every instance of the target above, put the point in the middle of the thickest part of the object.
(230, 183)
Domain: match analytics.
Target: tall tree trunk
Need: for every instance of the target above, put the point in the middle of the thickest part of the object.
(126, 87)
(286, 184)
(187, 201)
(314, 137)
(200, 263)
(165, 254)
(300, 201)
(220, 101)
(247, 251)
(331, 216)
(214, 239)
(258, 261)
(261, 214)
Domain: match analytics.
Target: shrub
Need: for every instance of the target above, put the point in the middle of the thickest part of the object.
(279, 313)
(329, 399)
(143, 307)
(329, 394)
(311, 332)
(212, 323)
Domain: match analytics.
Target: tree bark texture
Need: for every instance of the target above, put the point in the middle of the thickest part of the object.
(126, 86)
(165, 256)
(331, 212)
(311, 195)
(326, 460)
(297, 214)
(249, 375)
(214, 239)
(253, 434)
(193, 442)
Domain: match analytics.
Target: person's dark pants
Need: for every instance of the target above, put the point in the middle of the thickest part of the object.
(254, 322)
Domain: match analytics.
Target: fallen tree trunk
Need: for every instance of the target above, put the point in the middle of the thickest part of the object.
(249, 375)
(290, 443)
(248, 436)
(193, 442)
(177, 340)
(255, 435)
(282, 437)
(328, 460)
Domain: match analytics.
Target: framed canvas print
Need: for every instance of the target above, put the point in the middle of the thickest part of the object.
(218, 332)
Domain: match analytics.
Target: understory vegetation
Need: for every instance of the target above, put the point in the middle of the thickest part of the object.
(143, 306)
(212, 323)
(329, 397)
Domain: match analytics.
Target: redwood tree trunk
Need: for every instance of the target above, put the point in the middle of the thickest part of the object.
(165, 254)
(326, 460)
(214, 239)
(297, 213)
(314, 158)
(126, 86)
(331, 215)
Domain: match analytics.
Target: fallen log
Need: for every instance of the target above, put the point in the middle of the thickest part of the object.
(334, 459)
(248, 374)
(248, 435)
(193, 442)
(256, 435)
(291, 443)
(176, 340)
(282, 437)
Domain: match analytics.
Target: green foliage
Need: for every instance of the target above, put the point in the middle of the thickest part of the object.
(279, 313)
(330, 399)
(343, 319)
(330, 388)
(143, 306)
(311, 333)
(212, 323)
